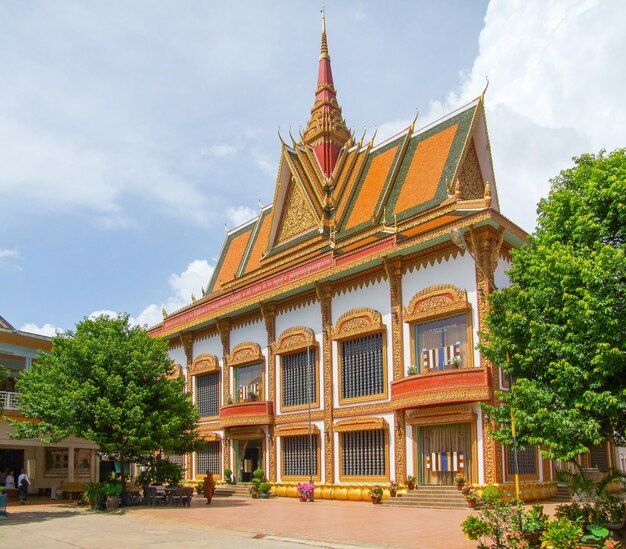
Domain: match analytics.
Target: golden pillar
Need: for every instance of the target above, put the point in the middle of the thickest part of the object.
(269, 316)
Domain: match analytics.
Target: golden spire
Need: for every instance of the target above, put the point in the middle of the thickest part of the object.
(324, 53)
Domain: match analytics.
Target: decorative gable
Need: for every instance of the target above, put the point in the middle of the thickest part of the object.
(297, 215)
(471, 183)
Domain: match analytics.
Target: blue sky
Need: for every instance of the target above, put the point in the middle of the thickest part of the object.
(131, 132)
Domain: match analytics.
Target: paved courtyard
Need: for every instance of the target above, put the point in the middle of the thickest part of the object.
(235, 522)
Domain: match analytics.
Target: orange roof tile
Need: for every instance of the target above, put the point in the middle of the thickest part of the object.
(259, 245)
(232, 258)
(424, 173)
(372, 186)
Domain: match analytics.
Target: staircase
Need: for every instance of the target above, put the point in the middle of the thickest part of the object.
(563, 495)
(226, 490)
(434, 497)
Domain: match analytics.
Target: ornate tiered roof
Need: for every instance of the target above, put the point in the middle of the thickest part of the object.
(338, 201)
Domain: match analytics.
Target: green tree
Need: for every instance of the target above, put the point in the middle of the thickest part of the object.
(560, 328)
(108, 382)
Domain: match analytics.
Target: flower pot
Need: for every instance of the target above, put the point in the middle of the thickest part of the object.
(393, 493)
(410, 486)
(459, 487)
(532, 539)
(376, 500)
(472, 504)
(113, 502)
(264, 495)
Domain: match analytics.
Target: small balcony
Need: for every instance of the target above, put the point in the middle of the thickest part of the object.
(448, 386)
(9, 400)
(247, 413)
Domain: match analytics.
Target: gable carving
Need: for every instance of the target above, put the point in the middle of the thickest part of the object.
(356, 322)
(294, 339)
(203, 364)
(470, 177)
(246, 352)
(297, 216)
(437, 300)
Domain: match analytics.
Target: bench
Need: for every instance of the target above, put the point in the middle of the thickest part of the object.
(72, 489)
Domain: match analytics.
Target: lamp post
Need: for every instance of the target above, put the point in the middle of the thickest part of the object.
(457, 238)
(308, 393)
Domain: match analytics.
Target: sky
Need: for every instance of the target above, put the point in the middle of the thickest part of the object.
(133, 133)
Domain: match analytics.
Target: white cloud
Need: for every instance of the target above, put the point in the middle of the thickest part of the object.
(105, 312)
(555, 91)
(191, 281)
(219, 150)
(5, 253)
(239, 215)
(46, 330)
(359, 13)
(264, 163)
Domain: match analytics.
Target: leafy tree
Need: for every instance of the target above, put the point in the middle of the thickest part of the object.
(560, 328)
(108, 382)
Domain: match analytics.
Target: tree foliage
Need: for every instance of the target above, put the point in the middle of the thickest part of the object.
(560, 328)
(108, 382)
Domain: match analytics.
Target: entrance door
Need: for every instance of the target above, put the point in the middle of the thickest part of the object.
(12, 460)
(443, 451)
(249, 457)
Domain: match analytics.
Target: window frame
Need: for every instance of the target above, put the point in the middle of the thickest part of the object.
(356, 478)
(354, 324)
(511, 476)
(220, 459)
(245, 354)
(206, 364)
(300, 478)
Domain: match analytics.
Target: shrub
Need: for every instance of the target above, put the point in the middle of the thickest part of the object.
(490, 495)
(375, 491)
(258, 474)
(265, 487)
(475, 528)
(561, 534)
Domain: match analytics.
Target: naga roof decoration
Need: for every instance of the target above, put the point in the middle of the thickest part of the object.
(355, 201)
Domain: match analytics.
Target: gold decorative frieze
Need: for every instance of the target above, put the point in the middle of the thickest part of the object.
(209, 435)
(360, 424)
(204, 364)
(176, 371)
(289, 418)
(297, 429)
(294, 339)
(440, 415)
(244, 353)
(355, 322)
(440, 299)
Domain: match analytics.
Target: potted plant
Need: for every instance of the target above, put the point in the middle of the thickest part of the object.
(113, 491)
(253, 489)
(410, 482)
(393, 488)
(264, 490)
(252, 396)
(258, 475)
(94, 494)
(490, 495)
(534, 523)
(305, 491)
(561, 534)
(459, 480)
(411, 371)
(471, 495)
(476, 529)
(230, 399)
(228, 474)
(376, 494)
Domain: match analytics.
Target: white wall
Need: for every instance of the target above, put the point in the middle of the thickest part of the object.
(459, 272)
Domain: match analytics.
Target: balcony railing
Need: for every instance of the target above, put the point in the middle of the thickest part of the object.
(247, 413)
(9, 400)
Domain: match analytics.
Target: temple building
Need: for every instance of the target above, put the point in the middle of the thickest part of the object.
(337, 338)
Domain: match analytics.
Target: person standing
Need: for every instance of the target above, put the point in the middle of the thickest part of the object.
(10, 481)
(23, 482)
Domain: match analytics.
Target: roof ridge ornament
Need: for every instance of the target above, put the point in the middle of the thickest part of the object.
(326, 132)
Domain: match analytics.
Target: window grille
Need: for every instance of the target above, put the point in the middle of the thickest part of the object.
(208, 459)
(207, 394)
(364, 454)
(362, 366)
(526, 459)
(295, 385)
(175, 458)
(296, 452)
(599, 458)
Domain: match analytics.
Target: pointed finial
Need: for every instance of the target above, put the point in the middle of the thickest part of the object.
(163, 312)
(281, 137)
(193, 297)
(260, 204)
(482, 95)
(324, 53)
(225, 226)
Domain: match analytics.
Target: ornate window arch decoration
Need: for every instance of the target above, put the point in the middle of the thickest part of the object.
(436, 300)
(356, 322)
(176, 372)
(294, 339)
(246, 352)
(204, 364)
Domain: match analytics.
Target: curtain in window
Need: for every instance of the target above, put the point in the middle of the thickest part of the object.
(362, 366)
(441, 344)
(444, 451)
(296, 371)
(296, 452)
(248, 379)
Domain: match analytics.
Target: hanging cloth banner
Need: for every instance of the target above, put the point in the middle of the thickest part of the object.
(445, 462)
(439, 357)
